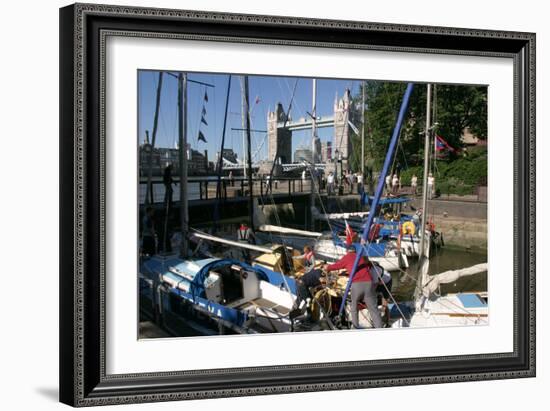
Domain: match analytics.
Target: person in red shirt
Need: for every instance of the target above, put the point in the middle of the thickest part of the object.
(362, 286)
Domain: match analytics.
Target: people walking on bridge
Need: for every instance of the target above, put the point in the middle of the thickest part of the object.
(388, 183)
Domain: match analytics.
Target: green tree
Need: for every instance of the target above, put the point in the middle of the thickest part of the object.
(456, 108)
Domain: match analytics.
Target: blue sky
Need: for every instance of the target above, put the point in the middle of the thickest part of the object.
(268, 89)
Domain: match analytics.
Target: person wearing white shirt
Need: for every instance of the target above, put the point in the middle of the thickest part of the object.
(431, 186)
(360, 183)
(388, 183)
(395, 183)
(414, 183)
(330, 183)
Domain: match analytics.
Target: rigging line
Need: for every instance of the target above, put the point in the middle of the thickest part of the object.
(277, 148)
(259, 146)
(317, 191)
(400, 145)
(285, 250)
(393, 299)
(296, 102)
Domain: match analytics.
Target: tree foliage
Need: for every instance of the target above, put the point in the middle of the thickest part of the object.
(455, 108)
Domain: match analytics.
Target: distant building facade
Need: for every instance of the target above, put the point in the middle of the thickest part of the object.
(279, 139)
(197, 162)
(302, 154)
(326, 152)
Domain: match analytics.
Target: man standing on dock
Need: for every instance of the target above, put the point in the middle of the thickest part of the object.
(362, 288)
(330, 183)
(168, 181)
(414, 184)
(360, 183)
(431, 186)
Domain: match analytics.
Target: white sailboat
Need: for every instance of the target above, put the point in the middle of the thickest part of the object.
(430, 308)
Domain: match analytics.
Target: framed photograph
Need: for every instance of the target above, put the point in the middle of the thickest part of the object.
(262, 204)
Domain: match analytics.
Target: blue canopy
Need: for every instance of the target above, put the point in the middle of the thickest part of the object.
(366, 200)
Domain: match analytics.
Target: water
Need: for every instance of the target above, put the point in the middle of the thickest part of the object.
(442, 260)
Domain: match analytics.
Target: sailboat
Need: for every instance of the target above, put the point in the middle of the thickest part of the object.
(212, 295)
(429, 308)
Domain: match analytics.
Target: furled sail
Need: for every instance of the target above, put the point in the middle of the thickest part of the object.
(446, 277)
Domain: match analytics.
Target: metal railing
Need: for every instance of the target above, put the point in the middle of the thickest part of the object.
(204, 189)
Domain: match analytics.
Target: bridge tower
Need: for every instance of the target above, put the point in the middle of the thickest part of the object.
(342, 139)
(279, 138)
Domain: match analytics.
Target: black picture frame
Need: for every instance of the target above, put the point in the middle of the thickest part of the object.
(83, 29)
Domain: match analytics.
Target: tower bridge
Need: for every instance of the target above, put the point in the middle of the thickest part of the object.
(280, 129)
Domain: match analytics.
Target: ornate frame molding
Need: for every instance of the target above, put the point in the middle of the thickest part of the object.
(82, 369)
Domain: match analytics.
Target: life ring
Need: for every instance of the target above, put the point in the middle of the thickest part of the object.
(408, 228)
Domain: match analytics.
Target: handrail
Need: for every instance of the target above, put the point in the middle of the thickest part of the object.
(285, 185)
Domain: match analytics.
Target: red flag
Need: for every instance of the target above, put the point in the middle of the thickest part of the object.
(441, 144)
(349, 234)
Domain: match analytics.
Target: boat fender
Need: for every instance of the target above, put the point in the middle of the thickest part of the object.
(408, 228)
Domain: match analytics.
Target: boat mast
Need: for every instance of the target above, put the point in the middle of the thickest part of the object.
(244, 116)
(379, 189)
(363, 134)
(182, 142)
(248, 160)
(313, 148)
(148, 196)
(220, 159)
(434, 122)
(421, 254)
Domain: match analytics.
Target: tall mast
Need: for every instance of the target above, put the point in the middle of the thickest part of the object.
(379, 189)
(421, 282)
(155, 127)
(220, 159)
(249, 152)
(313, 147)
(363, 133)
(434, 120)
(244, 119)
(182, 141)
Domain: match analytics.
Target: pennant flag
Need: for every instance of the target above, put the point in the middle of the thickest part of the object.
(201, 137)
(205, 96)
(441, 144)
(349, 234)
(203, 111)
(203, 120)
